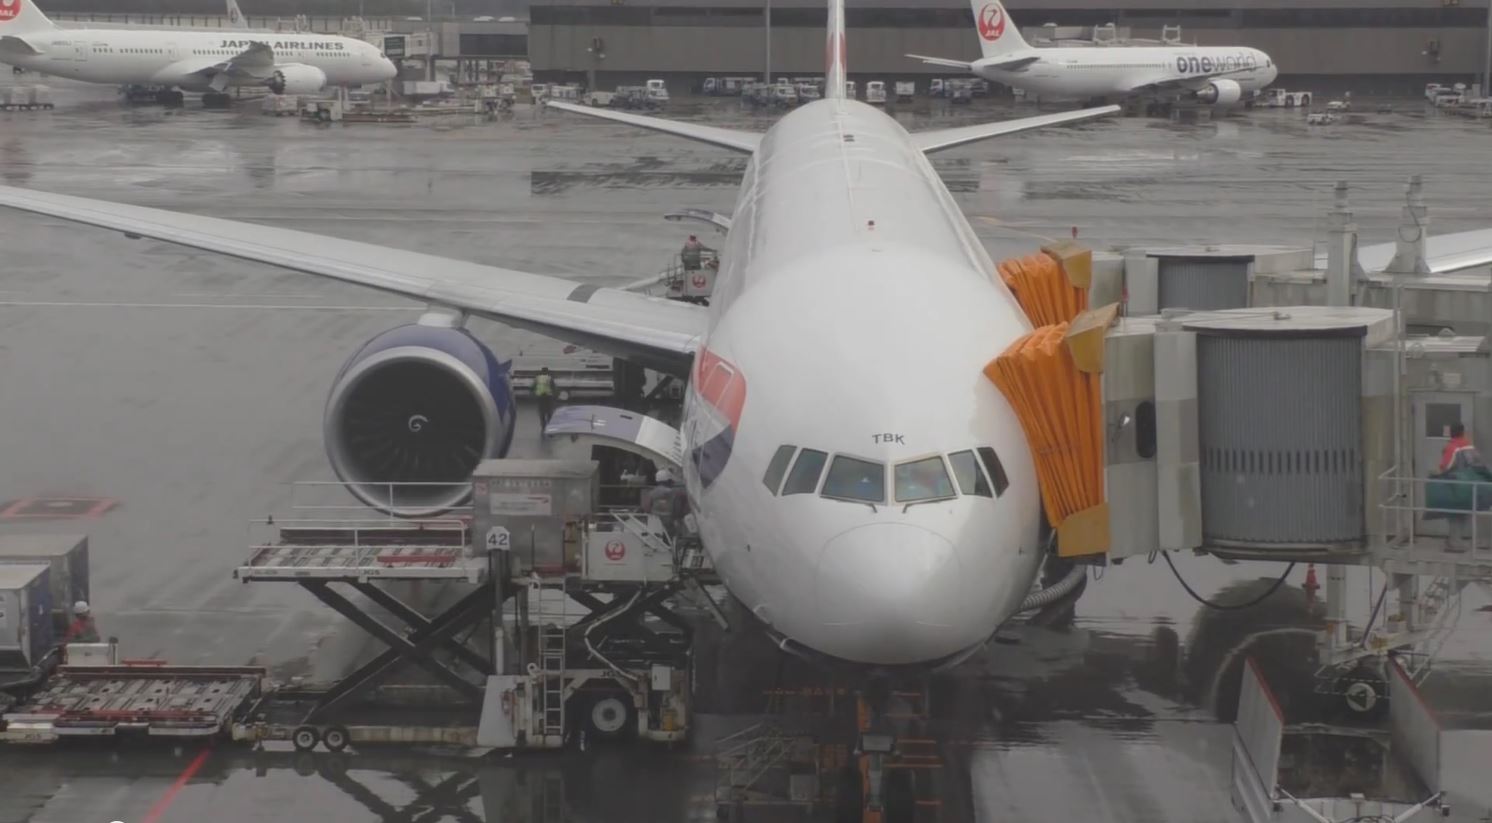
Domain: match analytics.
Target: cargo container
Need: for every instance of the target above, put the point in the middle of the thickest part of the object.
(26, 636)
(67, 554)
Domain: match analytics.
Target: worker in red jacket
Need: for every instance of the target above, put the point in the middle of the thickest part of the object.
(82, 629)
(1458, 441)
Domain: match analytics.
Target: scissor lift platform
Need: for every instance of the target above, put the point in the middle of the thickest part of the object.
(360, 563)
(149, 700)
(360, 555)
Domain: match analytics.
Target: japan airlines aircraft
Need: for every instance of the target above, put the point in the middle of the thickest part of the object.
(859, 484)
(1215, 75)
(199, 61)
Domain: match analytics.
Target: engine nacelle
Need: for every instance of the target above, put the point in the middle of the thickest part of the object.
(1220, 92)
(413, 412)
(297, 79)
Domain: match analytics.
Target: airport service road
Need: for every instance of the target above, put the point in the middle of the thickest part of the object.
(179, 392)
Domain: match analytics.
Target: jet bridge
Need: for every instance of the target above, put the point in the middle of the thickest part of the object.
(1244, 402)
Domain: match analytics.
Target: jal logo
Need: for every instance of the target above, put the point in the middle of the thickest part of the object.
(615, 550)
(9, 9)
(991, 22)
(699, 281)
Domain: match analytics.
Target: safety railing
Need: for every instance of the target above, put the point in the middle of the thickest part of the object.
(1464, 506)
(332, 498)
(372, 533)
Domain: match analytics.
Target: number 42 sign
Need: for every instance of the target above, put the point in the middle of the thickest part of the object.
(498, 539)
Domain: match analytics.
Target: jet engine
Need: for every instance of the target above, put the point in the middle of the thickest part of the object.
(1220, 92)
(297, 79)
(412, 413)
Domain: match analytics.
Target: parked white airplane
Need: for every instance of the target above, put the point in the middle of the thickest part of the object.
(859, 484)
(1216, 75)
(200, 61)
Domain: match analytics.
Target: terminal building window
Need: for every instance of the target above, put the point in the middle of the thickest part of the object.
(496, 45)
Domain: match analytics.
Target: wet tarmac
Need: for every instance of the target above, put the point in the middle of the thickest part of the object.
(187, 389)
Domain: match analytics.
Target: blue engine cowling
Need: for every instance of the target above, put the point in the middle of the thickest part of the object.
(413, 412)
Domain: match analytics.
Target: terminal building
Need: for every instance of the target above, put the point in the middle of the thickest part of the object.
(1367, 45)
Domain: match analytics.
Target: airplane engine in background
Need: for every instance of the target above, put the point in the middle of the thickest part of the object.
(418, 404)
(297, 79)
(1220, 92)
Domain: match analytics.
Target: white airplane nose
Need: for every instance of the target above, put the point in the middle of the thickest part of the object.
(894, 593)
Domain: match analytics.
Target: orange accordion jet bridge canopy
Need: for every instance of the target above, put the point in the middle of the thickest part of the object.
(1053, 378)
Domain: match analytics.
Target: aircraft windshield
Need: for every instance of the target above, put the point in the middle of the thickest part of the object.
(925, 479)
(804, 477)
(971, 479)
(853, 479)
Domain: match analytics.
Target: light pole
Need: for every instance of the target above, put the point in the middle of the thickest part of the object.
(768, 77)
(1487, 60)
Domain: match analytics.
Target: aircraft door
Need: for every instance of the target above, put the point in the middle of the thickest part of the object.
(1434, 414)
(173, 51)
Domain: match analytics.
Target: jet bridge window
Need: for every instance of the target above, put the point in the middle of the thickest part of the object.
(804, 478)
(851, 478)
(971, 479)
(778, 467)
(920, 480)
(996, 471)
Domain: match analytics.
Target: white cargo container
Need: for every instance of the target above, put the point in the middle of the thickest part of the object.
(26, 635)
(66, 554)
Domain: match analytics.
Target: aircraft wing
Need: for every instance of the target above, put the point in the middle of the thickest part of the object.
(657, 333)
(940, 139)
(943, 61)
(1192, 82)
(17, 45)
(733, 139)
(1003, 65)
(1443, 253)
(256, 62)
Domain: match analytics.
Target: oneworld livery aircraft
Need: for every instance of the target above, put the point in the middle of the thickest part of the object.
(177, 60)
(1215, 75)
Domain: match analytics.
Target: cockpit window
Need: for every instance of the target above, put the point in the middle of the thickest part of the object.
(778, 467)
(971, 479)
(996, 471)
(925, 479)
(851, 478)
(804, 478)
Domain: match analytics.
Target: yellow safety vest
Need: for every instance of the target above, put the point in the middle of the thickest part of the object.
(543, 386)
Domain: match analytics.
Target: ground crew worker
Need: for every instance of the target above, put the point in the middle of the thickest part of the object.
(544, 393)
(693, 254)
(1458, 441)
(663, 500)
(82, 629)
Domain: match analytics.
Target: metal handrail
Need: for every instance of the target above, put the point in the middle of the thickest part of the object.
(1402, 504)
(356, 528)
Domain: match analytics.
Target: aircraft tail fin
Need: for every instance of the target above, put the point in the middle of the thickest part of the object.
(998, 34)
(22, 16)
(836, 71)
(235, 16)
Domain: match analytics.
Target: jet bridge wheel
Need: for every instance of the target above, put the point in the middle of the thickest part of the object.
(1362, 693)
(305, 738)
(609, 714)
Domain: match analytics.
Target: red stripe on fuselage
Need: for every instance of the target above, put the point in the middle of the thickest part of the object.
(720, 384)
